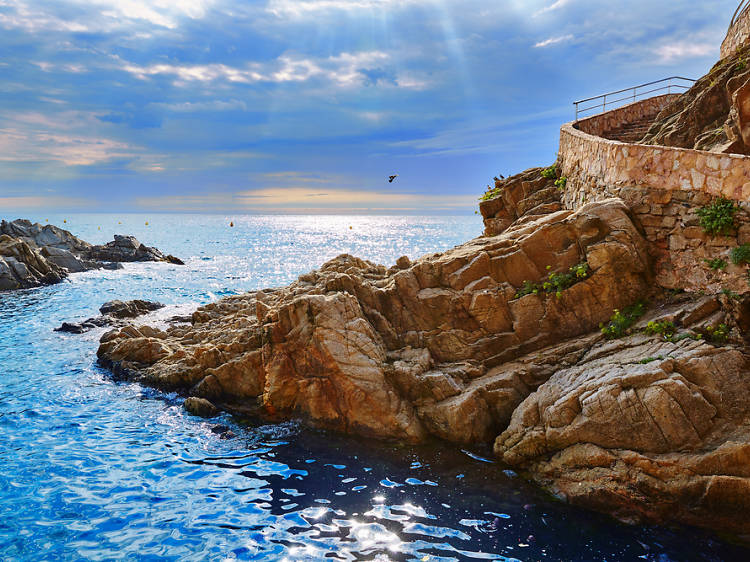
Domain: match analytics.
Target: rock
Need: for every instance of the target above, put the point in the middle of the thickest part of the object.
(200, 407)
(129, 309)
(656, 440)
(64, 259)
(401, 353)
(113, 312)
(33, 255)
(128, 249)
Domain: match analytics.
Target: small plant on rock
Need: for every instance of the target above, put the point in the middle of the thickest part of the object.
(621, 322)
(648, 360)
(730, 294)
(491, 193)
(665, 328)
(717, 218)
(740, 255)
(561, 183)
(527, 288)
(550, 173)
(717, 334)
(717, 264)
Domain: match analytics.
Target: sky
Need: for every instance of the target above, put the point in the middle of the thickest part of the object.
(307, 106)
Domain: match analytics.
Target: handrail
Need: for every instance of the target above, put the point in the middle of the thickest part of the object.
(741, 9)
(635, 92)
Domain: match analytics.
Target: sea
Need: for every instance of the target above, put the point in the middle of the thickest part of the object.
(97, 469)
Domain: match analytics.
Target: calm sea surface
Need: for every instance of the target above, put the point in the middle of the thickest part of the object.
(93, 469)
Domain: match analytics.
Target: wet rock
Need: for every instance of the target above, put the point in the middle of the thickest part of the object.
(113, 314)
(127, 249)
(200, 407)
(129, 309)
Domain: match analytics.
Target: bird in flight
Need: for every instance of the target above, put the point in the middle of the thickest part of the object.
(391, 178)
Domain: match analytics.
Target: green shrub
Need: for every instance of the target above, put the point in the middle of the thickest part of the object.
(664, 328)
(621, 322)
(718, 217)
(527, 288)
(561, 183)
(740, 255)
(491, 193)
(556, 282)
(717, 264)
(717, 334)
(550, 173)
(730, 294)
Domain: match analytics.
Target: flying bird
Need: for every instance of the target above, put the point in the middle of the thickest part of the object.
(391, 178)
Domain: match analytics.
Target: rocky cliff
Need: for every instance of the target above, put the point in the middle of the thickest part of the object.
(495, 343)
(33, 255)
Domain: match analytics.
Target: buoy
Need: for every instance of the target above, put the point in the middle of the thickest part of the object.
(350, 228)
(46, 220)
(119, 222)
(231, 224)
(98, 227)
(146, 223)
(65, 220)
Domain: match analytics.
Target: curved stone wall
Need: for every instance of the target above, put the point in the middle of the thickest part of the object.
(737, 36)
(663, 187)
(600, 124)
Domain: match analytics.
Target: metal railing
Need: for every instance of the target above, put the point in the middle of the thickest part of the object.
(741, 9)
(677, 83)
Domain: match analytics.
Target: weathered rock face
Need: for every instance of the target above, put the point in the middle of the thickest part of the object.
(713, 114)
(527, 195)
(22, 266)
(662, 440)
(422, 348)
(33, 255)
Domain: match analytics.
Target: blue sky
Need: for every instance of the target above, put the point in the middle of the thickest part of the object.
(308, 105)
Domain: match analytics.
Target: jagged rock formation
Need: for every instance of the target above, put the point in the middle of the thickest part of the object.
(33, 255)
(421, 348)
(714, 115)
(113, 313)
(470, 346)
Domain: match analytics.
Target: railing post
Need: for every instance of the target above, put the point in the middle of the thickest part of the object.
(604, 107)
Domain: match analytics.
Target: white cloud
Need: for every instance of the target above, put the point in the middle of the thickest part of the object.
(344, 70)
(554, 6)
(685, 49)
(34, 137)
(214, 105)
(101, 15)
(299, 8)
(554, 41)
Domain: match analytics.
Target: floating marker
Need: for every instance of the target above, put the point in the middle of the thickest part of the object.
(350, 228)
(65, 220)
(231, 224)
(146, 223)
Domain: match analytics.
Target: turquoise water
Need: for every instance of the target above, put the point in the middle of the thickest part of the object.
(94, 469)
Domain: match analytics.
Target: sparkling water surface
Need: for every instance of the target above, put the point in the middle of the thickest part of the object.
(99, 470)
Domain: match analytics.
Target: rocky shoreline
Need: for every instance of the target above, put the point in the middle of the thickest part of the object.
(32, 255)
(496, 343)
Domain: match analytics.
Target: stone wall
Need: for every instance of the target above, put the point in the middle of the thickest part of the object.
(610, 120)
(663, 187)
(737, 36)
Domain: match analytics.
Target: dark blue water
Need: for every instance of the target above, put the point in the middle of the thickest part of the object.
(93, 469)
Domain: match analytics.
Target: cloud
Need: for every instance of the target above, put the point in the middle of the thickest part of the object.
(299, 8)
(79, 16)
(36, 137)
(308, 200)
(555, 6)
(194, 107)
(46, 202)
(685, 49)
(344, 70)
(554, 41)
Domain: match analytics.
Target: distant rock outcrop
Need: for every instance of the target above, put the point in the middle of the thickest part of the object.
(33, 255)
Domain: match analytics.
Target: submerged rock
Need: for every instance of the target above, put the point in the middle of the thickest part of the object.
(201, 407)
